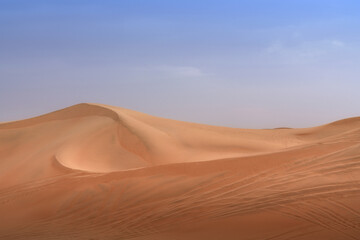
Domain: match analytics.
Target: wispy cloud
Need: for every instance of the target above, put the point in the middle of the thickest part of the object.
(181, 71)
(171, 72)
(305, 50)
(337, 43)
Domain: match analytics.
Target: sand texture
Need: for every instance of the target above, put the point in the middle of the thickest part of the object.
(93, 171)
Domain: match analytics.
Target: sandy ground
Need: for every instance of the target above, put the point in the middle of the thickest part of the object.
(93, 171)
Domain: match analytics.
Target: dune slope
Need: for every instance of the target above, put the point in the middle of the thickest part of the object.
(94, 171)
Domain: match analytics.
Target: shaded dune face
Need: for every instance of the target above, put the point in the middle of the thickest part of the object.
(93, 171)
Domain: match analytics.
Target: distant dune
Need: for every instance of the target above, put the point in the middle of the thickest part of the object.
(94, 171)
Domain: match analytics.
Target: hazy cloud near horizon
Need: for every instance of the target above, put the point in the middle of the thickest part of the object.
(249, 64)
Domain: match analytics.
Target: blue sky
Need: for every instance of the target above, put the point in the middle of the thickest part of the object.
(250, 63)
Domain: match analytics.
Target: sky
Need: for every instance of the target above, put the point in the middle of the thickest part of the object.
(236, 63)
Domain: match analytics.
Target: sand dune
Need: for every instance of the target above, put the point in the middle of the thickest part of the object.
(93, 171)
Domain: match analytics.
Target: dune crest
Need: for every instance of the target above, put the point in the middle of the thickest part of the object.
(92, 171)
(100, 138)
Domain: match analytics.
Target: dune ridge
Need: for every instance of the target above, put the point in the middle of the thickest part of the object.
(93, 171)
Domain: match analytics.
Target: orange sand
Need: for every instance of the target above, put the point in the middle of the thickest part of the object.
(93, 171)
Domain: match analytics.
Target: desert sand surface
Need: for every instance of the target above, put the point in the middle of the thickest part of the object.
(93, 171)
